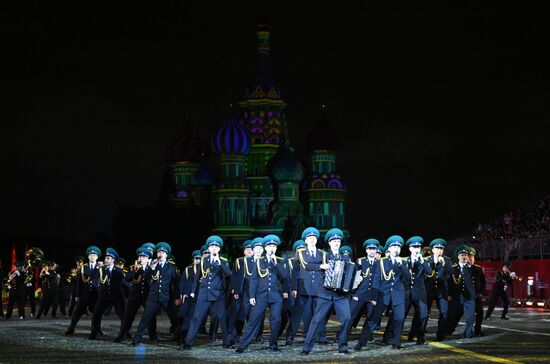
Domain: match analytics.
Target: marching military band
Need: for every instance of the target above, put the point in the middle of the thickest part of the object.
(296, 291)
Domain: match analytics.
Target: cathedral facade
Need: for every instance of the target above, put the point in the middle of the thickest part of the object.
(259, 186)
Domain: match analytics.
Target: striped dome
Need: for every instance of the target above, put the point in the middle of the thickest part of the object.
(231, 138)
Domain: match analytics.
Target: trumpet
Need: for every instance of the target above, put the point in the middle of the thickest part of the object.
(135, 266)
(72, 276)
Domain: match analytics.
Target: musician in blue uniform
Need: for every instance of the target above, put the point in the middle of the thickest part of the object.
(137, 295)
(390, 279)
(419, 268)
(328, 299)
(163, 292)
(109, 291)
(367, 295)
(86, 287)
(463, 293)
(480, 285)
(186, 285)
(437, 284)
(267, 288)
(235, 316)
(211, 279)
(296, 310)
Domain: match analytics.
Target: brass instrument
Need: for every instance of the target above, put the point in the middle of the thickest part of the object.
(10, 284)
(33, 257)
(72, 276)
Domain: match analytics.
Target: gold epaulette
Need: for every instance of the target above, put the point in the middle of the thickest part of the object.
(360, 260)
(280, 258)
(238, 264)
(222, 258)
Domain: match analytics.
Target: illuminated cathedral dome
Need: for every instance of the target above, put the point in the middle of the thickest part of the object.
(231, 138)
(188, 145)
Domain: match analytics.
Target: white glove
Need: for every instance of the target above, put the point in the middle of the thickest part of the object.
(513, 275)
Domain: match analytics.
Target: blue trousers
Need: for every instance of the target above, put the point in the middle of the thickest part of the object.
(201, 310)
(256, 321)
(322, 309)
(395, 323)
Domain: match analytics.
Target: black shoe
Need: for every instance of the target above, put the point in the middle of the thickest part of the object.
(344, 351)
(100, 333)
(505, 318)
(118, 339)
(135, 343)
(225, 346)
(420, 342)
(358, 347)
(274, 349)
(69, 332)
(239, 350)
(385, 341)
(324, 342)
(185, 347)
(289, 342)
(154, 338)
(304, 352)
(396, 347)
(92, 337)
(410, 338)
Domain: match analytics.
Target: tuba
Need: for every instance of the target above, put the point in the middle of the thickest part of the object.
(33, 257)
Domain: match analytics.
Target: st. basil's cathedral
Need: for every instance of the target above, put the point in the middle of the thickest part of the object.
(259, 186)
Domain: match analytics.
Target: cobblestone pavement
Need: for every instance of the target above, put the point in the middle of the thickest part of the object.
(523, 339)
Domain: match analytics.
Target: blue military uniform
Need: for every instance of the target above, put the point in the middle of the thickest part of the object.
(211, 279)
(366, 292)
(186, 285)
(268, 283)
(327, 299)
(163, 291)
(109, 293)
(463, 293)
(86, 289)
(391, 280)
(138, 292)
(296, 310)
(480, 285)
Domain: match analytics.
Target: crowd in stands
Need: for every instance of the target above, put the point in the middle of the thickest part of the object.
(530, 222)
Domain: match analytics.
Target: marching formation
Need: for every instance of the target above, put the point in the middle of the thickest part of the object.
(303, 289)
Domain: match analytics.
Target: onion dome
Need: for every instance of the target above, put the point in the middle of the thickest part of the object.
(288, 168)
(231, 138)
(323, 136)
(188, 146)
(202, 176)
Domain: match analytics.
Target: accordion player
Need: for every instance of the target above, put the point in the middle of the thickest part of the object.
(340, 275)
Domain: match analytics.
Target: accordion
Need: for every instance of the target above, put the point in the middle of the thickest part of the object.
(339, 276)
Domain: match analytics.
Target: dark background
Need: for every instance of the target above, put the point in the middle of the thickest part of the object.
(442, 109)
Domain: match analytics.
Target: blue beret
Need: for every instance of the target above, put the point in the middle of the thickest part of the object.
(271, 239)
(346, 249)
(258, 242)
(93, 250)
(381, 249)
(163, 247)
(149, 246)
(461, 249)
(110, 252)
(371, 243)
(438, 243)
(415, 241)
(204, 248)
(196, 254)
(144, 251)
(472, 251)
(214, 240)
(298, 244)
(247, 244)
(394, 240)
(310, 231)
(334, 234)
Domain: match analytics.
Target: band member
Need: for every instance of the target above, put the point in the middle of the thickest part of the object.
(267, 288)
(328, 299)
(16, 290)
(240, 276)
(502, 279)
(47, 284)
(480, 285)
(137, 295)
(109, 292)
(437, 284)
(214, 270)
(72, 279)
(87, 285)
(30, 281)
(390, 279)
(296, 310)
(463, 293)
(366, 296)
(419, 269)
(186, 285)
(163, 292)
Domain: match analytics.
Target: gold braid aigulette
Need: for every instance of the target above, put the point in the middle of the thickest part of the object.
(203, 272)
(101, 276)
(389, 276)
(246, 271)
(266, 271)
(84, 279)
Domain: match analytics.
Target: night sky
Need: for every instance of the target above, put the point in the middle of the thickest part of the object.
(442, 111)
